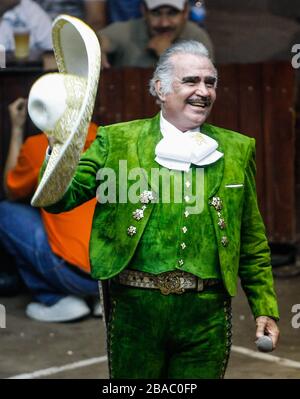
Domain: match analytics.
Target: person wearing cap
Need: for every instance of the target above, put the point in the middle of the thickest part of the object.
(123, 10)
(170, 268)
(139, 42)
(50, 251)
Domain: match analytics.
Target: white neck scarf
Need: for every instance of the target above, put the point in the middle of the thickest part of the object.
(178, 150)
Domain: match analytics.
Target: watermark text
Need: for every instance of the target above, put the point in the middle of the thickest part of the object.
(2, 316)
(296, 57)
(2, 57)
(169, 186)
(296, 317)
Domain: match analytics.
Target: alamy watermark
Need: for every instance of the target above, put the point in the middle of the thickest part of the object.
(296, 57)
(168, 186)
(2, 57)
(2, 316)
(296, 318)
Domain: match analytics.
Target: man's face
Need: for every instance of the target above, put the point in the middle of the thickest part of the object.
(165, 20)
(194, 91)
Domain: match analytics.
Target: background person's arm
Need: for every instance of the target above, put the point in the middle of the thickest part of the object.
(17, 112)
(95, 13)
(112, 39)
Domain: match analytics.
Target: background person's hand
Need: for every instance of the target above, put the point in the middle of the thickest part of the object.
(105, 50)
(160, 43)
(17, 112)
(267, 326)
(104, 61)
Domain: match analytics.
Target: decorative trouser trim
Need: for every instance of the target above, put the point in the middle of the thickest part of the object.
(228, 332)
(110, 338)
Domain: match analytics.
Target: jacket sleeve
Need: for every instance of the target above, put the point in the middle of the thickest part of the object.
(255, 268)
(83, 186)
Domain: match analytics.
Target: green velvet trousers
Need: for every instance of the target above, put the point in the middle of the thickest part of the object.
(151, 335)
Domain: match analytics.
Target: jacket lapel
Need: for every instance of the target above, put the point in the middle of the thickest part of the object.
(214, 172)
(149, 136)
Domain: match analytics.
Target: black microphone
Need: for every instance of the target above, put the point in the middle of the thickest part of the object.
(264, 344)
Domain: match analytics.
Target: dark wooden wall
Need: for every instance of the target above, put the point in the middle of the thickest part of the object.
(256, 99)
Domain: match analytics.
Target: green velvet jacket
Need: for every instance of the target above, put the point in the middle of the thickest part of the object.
(242, 244)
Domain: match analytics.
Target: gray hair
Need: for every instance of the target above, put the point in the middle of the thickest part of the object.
(165, 67)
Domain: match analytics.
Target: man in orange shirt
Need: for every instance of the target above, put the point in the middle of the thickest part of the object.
(51, 251)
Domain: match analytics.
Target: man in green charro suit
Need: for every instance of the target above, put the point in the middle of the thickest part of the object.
(171, 261)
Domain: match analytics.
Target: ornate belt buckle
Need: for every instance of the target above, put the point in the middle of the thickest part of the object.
(169, 283)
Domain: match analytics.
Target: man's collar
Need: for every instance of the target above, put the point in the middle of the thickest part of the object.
(169, 130)
(178, 150)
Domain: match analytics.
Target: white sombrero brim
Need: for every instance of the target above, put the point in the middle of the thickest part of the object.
(77, 53)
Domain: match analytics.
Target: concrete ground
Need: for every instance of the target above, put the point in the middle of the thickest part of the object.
(31, 349)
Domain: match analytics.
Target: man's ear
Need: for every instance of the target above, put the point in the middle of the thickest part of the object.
(186, 10)
(158, 90)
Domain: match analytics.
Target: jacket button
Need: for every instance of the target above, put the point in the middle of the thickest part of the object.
(224, 241)
(131, 231)
(221, 223)
(184, 229)
(138, 214)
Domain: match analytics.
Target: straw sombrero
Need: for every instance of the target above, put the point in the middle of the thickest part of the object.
(61, 104)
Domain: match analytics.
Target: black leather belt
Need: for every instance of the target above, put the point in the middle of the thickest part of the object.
(174, 282)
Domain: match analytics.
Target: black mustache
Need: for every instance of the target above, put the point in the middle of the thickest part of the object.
(163, 30)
